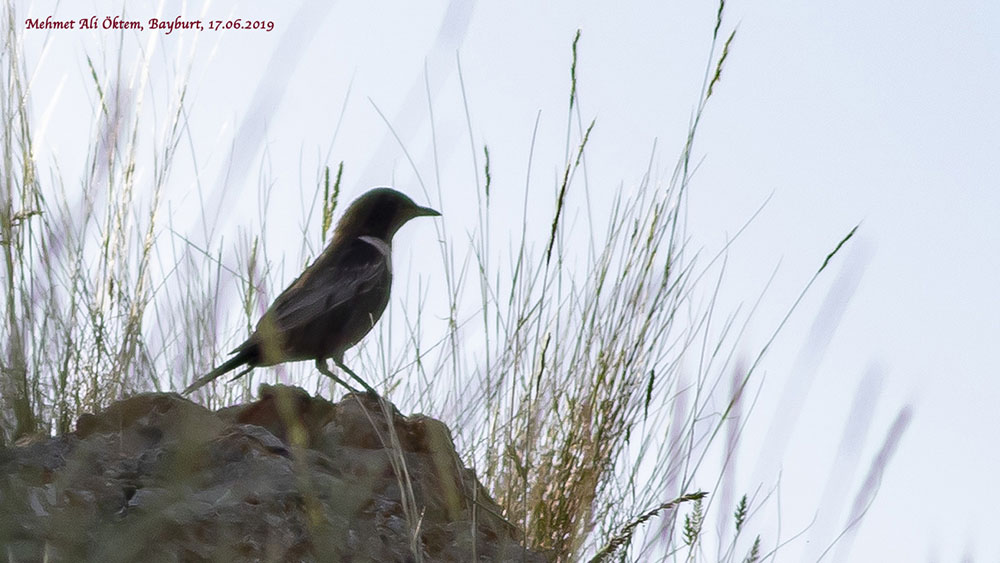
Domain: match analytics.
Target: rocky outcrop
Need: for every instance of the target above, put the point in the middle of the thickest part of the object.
(289, 477)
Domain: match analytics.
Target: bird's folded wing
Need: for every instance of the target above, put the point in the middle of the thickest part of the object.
(334, 280)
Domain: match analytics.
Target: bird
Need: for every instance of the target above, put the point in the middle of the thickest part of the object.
(337, 300)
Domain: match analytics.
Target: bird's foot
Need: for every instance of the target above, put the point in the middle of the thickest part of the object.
(369, 390)
(325, 370)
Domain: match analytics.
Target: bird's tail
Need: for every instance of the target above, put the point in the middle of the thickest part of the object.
(229, 365)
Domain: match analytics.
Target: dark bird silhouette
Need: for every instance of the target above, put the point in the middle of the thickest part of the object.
(337, 299)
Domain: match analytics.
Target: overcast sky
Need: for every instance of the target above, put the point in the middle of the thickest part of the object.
(834, 114)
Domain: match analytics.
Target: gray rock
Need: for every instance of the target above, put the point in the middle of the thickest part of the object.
(288, 477)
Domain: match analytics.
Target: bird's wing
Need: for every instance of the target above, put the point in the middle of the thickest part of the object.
(350, 271)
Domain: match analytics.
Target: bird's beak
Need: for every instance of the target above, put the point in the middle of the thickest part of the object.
(426, 212)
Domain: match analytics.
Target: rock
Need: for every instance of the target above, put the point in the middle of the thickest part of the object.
(288, 477)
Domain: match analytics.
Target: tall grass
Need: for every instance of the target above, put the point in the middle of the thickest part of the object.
(585, 422)
(104, 296)
(587, 401)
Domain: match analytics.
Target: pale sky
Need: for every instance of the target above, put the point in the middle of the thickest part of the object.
(833, 113)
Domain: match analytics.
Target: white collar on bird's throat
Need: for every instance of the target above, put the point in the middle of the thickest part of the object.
(379, 244)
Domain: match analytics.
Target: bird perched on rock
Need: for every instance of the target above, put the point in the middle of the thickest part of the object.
(337, 299)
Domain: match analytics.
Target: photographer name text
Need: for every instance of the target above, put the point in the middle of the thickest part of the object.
(165, 26)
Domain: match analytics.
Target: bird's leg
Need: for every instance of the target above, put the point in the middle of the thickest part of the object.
(340, 364)
(325, 370)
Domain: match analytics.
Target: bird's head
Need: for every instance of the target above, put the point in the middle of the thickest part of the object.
(380, 212)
